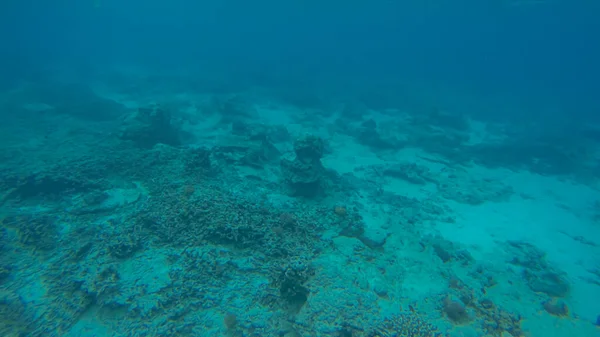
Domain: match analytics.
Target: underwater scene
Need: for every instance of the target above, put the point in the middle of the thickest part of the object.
(300, 168)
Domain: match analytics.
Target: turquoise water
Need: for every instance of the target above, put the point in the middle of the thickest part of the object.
(303, 168)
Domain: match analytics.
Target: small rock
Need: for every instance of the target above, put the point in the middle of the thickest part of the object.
(374, 237)
(380, 289)
(556, 307)
(548, 282)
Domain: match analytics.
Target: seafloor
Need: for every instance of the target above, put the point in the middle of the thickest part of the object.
(147, 207)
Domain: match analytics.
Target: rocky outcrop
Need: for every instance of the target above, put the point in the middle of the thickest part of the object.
(304, 174)
(150, 126)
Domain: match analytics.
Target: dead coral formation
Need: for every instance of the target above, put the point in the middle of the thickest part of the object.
(304, 174)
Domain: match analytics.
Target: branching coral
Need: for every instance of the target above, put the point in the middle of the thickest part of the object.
(406, 325)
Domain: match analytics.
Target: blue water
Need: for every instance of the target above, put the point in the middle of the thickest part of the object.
(299, 168)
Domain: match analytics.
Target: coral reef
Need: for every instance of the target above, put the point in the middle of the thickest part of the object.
(222, 213)
(406, 324)
(540, 276)
(292, 284)
(15, 319)
(37, 232)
